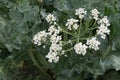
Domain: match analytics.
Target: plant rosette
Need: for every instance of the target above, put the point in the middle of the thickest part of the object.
(81, 33)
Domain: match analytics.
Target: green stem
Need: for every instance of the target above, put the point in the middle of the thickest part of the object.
(47, 43)
(107, 51)
(43, 73)
(87, 28)
(79, 29)
(69, 49)
(94, 23)
(67, 32)
(91, 23)
(83, 38)
(67, 42)
(42, 61)
(65, 36)
(87, 31)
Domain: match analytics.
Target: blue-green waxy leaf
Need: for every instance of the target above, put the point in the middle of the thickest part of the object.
(74, 4)
(32, 14)
(24, 6)
(15, 15)
(43, 13)
(61, 4)
(10, 47)
(115, 61)
(115, 26)
(112, 61)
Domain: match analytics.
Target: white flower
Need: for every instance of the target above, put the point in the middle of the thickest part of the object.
(57, 31)
(53, 30)
(65, 55)
(70, 41)
(72, 23)
(93, 43)
(53, 53)
(44, 46)
(50, 18)
(80, 12)
(55, 39)
(95, 13)
(102, 31)
(80, 48)
(52, 57)
(55, 47)
(104, 21)
(62, 52)
(75, 26)
(39, 37)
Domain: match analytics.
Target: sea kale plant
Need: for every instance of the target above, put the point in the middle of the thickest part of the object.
(59, 39)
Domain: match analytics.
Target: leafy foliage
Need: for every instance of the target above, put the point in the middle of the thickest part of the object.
(20, 59)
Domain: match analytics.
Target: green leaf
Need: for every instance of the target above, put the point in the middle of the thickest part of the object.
(15, 15)
(2, 39)
(32, 14)
(43, 13)
(111, 62)
(74, 4)
(110, 75)
(24, 6)
(115, 61)
(115, 26)
(61, 4)
(10, 47)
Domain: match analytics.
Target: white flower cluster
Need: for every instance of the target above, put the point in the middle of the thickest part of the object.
(56, 46)
(103, 28)
(80, 12)
(53, 53)
(53, 30)
(80, 48)
(54, 37)
(95, 13)
(93, 43)
(39, 37)
(104, 21)
(52, 57)
(50, 18)
(102, 31)
(72, 23)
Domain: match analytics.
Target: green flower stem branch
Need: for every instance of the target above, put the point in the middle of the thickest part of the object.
(68, 49)
(107, 51)
(68, 42)
(79, 30)
(94, 23)
(87, 31)
(66, 32)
